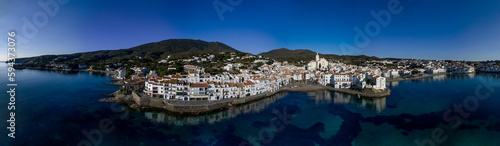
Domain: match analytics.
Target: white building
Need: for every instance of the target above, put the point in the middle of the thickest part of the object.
(318, 64)
(437, 70)
(142, 70)
(228, 67)
(121, 73)
(312, 65)
(341, 81)
(325, 79)
(196, 86)
(194, 68)
(297, 77)
(152, 74)
(378, 82)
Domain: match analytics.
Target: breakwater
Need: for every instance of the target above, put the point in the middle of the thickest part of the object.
(198, 107)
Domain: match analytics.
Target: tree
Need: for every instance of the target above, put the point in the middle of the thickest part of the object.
(128, 73)
(240, 54)
(171, 72)
(270, 62)
(369, 81)
(259, 64)
(235, 71)
(415, 72)
(152, 66)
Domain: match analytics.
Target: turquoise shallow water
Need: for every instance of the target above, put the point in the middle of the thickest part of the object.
(58, 108)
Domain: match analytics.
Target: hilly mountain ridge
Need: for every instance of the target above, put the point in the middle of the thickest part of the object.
(295, 56)
(176, 48)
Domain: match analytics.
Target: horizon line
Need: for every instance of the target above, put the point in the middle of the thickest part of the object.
(258, 53)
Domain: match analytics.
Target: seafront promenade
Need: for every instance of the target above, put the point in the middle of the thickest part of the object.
(141, 101)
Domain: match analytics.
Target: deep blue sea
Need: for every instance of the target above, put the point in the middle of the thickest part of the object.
(62, 108)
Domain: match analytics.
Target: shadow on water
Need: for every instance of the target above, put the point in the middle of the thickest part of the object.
(328, 97)
(71, 72)
(320, 97)
(217, 116)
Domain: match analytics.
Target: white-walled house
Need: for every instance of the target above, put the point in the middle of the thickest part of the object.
(341, 81)
(311, 65)
(297, 77)
(359, 80)
(394, 73)
(437, 70)
(325, 79)
(152, 74)
(196, 86)
(378, 82)
(121, 73)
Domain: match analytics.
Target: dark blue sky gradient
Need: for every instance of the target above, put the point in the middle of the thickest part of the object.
(425, 29)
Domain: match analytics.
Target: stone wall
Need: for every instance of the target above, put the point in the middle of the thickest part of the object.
(196, 107)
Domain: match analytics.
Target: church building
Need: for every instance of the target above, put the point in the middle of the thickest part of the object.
(318, 64)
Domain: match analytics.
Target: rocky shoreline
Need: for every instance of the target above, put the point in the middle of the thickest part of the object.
(60, 69)
(139, 101)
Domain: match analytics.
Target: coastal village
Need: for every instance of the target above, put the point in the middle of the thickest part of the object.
(208, 82)
(195, 84)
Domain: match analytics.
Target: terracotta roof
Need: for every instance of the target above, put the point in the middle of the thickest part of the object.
(249, 83)
(199, 85)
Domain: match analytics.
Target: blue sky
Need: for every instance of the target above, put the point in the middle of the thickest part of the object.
(425, 29)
